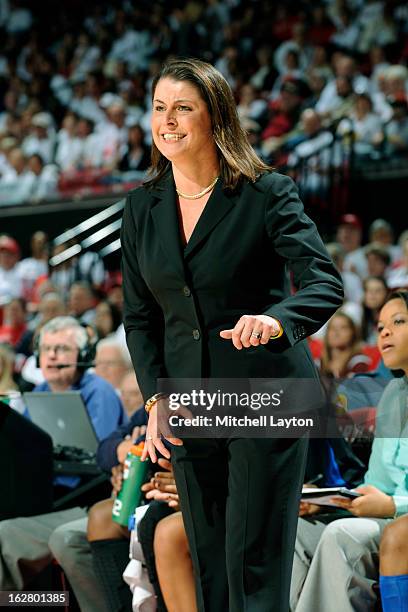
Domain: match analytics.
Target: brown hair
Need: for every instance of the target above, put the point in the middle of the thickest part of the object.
(399, 294)
(354, 349)
(236, 156)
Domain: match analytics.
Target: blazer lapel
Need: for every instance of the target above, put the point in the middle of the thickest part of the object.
(218, 205)
(164, 214)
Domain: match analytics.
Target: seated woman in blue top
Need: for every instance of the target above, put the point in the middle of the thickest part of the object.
(336, 564)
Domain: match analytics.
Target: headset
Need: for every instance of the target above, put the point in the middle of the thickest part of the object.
(86, 355)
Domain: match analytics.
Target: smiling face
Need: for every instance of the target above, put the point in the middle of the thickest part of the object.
(181, 123)
(393, 334)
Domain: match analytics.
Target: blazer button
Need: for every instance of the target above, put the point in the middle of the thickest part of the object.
(186, 291)
(196, 334)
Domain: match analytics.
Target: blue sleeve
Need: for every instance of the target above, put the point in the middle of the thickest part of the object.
(106, 454)
(104, 406)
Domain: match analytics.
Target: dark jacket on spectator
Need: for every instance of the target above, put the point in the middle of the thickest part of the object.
(106, 453)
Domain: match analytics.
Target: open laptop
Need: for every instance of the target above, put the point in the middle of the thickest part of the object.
(64, 417)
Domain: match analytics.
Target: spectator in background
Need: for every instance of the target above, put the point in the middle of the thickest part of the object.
(264, 76)
(108, 318)
(14, 322)
(347, 30)
(365, 126)
(42, 139)
(17, 183)
(396, 81)
(378, 64)
(398, 277)
(24, 542)
(89, 155)
(81, 302)
(68, 148)
(113, 135)
(353, 291)
(381, 232)
(313, 151)
(45, 186)
(51, 305)
(112, 361)
(396, 130)
(336, 564)
(250, 104)
(376, 25)
(320, 63)
(137, 155)
(342, 102)
(6, 369)
(31, 268)
(297, 44)
(283, 116)
(375, 295)
(81, 104)
(344, 66)
(316, 81)
(342, 352)
(349, 236)
(378, 260)
(69, 545)
(10, 282)
(130, 393)
(292, 72)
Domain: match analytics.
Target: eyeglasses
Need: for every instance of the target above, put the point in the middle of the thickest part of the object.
(58, 349)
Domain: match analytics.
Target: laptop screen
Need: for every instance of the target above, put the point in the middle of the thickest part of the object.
(64, 417)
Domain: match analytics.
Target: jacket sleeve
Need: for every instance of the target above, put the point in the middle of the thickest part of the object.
(142, 318)
(319, 289)
(106, 456)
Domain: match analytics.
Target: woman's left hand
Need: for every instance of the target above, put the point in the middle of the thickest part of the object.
(252, 330)
(372, 502)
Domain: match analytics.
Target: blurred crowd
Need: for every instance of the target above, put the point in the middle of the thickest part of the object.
(372, 260)
(75, 83)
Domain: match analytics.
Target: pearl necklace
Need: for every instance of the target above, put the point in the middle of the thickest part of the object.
(196, 196)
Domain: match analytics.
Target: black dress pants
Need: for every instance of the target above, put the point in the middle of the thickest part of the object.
(240, 500)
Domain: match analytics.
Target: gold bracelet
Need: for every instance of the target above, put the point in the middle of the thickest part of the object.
(153, 400)
(279, 334)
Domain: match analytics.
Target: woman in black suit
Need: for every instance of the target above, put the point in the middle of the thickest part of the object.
(207, 246)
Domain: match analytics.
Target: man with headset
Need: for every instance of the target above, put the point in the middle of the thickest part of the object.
(63, 351)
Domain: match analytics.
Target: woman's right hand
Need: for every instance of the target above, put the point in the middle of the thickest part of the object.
(158, 428)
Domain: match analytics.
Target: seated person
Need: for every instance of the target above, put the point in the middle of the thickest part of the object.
(24, 546)
(349, 546)
(394, 566)
(112, 361)
(342, 352)
(109, 541)
(63, 341)
(68, 542)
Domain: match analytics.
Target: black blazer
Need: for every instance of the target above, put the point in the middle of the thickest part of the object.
(238, 261)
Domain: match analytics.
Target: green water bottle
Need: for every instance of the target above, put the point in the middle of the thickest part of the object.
(134, 475)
